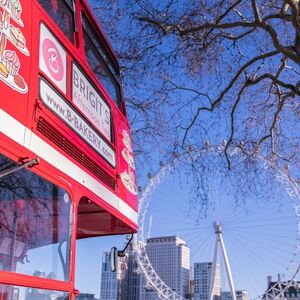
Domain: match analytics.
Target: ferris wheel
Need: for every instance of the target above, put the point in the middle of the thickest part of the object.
(245, 221)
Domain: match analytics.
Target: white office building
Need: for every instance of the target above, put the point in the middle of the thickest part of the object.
(202, 280)
(170, 257)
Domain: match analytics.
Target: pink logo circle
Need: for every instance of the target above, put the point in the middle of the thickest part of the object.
(53, 60)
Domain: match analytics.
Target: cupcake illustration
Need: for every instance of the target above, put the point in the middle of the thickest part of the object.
(129, 158)
(1, 21)
(5, 19)
(126, 140)
(128, 180)
(12, 62)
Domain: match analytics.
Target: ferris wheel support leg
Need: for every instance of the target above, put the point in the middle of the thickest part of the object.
(228, 270)
(213, 272)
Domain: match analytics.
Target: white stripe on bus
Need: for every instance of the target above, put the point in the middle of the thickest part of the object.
(25, 137)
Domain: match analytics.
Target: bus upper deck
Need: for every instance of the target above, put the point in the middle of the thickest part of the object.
(66, 161)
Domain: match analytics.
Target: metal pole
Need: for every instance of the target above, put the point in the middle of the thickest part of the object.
(229, 275)
(219, 239)
(213, 271)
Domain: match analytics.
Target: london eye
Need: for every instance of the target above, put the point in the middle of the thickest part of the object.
(250, 212)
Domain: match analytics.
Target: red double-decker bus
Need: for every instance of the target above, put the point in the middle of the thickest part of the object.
(66, 163)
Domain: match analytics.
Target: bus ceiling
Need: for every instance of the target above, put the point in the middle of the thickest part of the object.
(93, 221)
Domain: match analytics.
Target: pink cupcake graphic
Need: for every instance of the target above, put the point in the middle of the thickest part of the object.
(12, 62)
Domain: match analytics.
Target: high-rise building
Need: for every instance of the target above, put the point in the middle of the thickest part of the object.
(170, 257)
(202, 280)
(240, 295)
(110, 285)
(131, 281)
(124, 284)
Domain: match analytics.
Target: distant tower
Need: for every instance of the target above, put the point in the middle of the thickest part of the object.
(220, 243)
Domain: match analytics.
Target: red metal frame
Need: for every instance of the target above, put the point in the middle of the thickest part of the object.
(25, 108)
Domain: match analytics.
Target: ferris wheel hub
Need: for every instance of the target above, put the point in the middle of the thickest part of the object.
(218, 227)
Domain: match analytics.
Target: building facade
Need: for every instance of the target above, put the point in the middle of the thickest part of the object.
(240, 295)
(291, 290)
(202, 281)
(131, 279)
(110, 285)
(125, 283)
(170, 257)
(85, 296)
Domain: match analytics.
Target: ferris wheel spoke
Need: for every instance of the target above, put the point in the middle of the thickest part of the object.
(263, 246)
(205, 245)
(265, 240)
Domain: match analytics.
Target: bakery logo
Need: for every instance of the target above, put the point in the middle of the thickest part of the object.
(9, 61)
(128, 176)
(53, 58)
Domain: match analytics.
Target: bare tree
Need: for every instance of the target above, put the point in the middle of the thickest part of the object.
(217, 70)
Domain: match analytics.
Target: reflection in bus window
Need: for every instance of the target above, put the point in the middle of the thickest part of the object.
(100, 62)
(34, 224)
(14, 292)
(61, 12)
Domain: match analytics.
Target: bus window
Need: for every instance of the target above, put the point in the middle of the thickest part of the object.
(100, 62)
(35, 220)
(14, 292)
(61, 11)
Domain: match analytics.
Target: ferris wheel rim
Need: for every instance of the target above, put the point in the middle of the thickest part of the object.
(163, 290)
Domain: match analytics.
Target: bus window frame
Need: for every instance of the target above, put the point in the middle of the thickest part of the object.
(103, 52)
(64, 38)
(107, 49)
(14, 278)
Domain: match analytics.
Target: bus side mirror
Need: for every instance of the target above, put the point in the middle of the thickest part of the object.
(115, 254)
(113, 259)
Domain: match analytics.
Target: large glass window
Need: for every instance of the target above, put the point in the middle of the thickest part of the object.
(35, 224)
(61, 11)
(101, 63)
